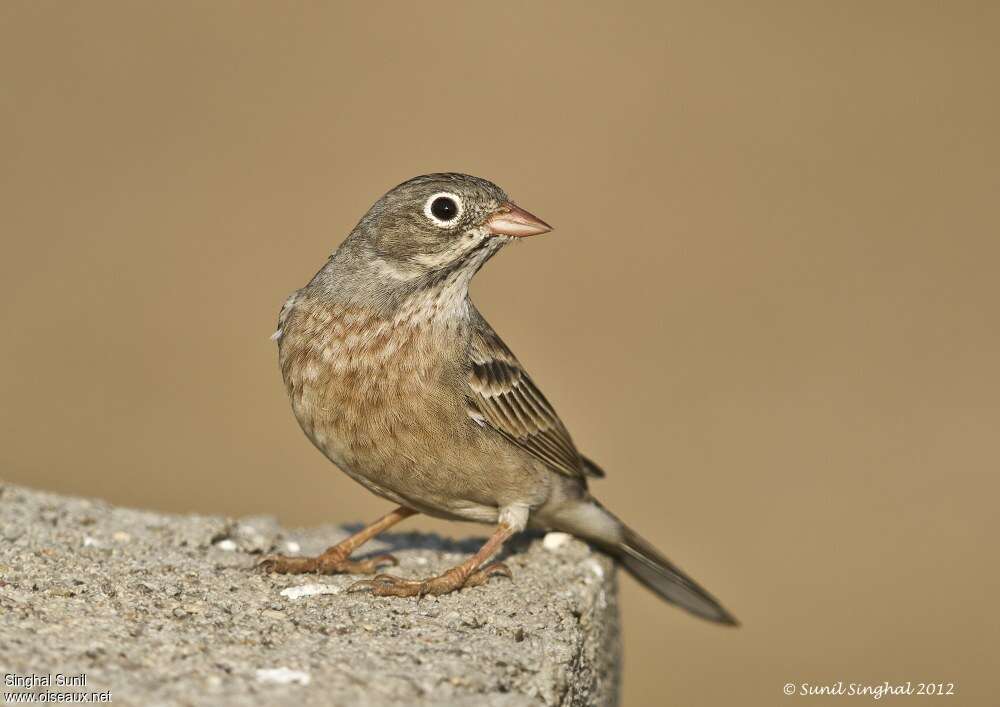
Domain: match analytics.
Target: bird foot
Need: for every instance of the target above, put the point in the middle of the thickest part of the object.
(387, 585)
(327, 563)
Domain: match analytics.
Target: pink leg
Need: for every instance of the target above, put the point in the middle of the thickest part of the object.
(467, 574)
(334, 560)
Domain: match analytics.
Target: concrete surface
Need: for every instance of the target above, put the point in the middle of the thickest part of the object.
(167, 610)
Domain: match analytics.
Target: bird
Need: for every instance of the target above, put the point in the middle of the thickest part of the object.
(398, 379)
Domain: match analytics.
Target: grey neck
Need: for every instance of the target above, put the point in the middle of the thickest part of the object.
(358, 276)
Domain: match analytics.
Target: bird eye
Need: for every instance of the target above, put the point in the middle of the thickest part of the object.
(443, 208)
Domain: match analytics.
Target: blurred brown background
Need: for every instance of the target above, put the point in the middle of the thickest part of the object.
(769, 309)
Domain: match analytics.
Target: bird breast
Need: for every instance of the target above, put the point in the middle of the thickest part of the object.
(366, 389)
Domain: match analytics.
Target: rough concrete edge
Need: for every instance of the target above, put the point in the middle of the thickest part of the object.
(596, 666)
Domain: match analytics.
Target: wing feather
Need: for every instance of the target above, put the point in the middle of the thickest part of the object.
(503, 394)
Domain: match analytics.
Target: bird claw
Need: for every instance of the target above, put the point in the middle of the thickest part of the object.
(387, 585)
(324, 564)
(482, 576)
(378, 583)
(367, 566)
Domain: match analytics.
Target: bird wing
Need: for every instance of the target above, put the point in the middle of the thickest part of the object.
(503, 396)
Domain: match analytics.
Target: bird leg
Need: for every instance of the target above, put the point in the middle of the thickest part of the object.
(334, 560)
(470, 573)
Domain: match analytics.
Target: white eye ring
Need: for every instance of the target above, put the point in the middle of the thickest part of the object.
(442, 223)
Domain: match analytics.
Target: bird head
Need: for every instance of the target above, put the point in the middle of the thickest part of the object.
(443, 222)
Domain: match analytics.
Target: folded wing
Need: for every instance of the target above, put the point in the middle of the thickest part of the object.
(503, 396)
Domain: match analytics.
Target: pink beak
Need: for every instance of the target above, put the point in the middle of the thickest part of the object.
(511, 220)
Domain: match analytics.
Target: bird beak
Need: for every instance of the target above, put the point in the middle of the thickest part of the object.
(510, 220)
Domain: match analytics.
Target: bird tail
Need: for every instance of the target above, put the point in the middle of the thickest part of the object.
(591, 521)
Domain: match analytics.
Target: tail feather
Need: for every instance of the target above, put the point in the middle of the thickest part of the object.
(668, 581)
(590, 520)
